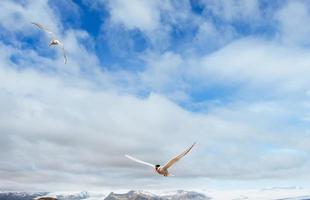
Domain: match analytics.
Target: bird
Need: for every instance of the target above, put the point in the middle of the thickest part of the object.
(46, 198)
(163, 170)
(54, 41)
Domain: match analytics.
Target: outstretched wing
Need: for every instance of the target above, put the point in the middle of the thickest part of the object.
(140, 161)
(40, 26)
(45, 198)
(177, 158)
(63, 52)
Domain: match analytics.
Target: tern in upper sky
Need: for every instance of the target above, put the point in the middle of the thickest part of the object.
(163, 170)
(54, 41)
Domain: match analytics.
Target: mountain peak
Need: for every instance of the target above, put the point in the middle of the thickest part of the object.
(143, 195)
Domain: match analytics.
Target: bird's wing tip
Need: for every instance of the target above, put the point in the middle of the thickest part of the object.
(35, 23)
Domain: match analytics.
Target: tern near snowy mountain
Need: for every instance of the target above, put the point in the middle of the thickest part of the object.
(163, 170)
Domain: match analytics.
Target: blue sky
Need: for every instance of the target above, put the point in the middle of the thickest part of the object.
(231, 75)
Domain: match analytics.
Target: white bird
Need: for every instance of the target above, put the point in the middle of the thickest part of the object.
(163, 170)
(54, 41)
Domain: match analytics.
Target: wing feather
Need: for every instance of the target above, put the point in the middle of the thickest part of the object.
(140, 161)
(178, 157)
(63, 52)
(40, 26)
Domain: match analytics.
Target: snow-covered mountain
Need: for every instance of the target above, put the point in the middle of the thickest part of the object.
(274, 193)
(58, 195)
(70, 195)
(142, 195)
(136, 195)
(20, 195)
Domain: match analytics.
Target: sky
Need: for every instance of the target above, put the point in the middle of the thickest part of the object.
(149, 78)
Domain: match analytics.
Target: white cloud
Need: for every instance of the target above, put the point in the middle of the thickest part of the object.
(141, 14)
(162, 71)
(16, 17)
(154, 19)
(260, 63)
(210, 37)
(59, 132)
(293, 21)
(230, 11)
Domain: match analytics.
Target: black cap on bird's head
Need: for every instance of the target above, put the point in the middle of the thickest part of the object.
(157, 166)
(52, 43)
